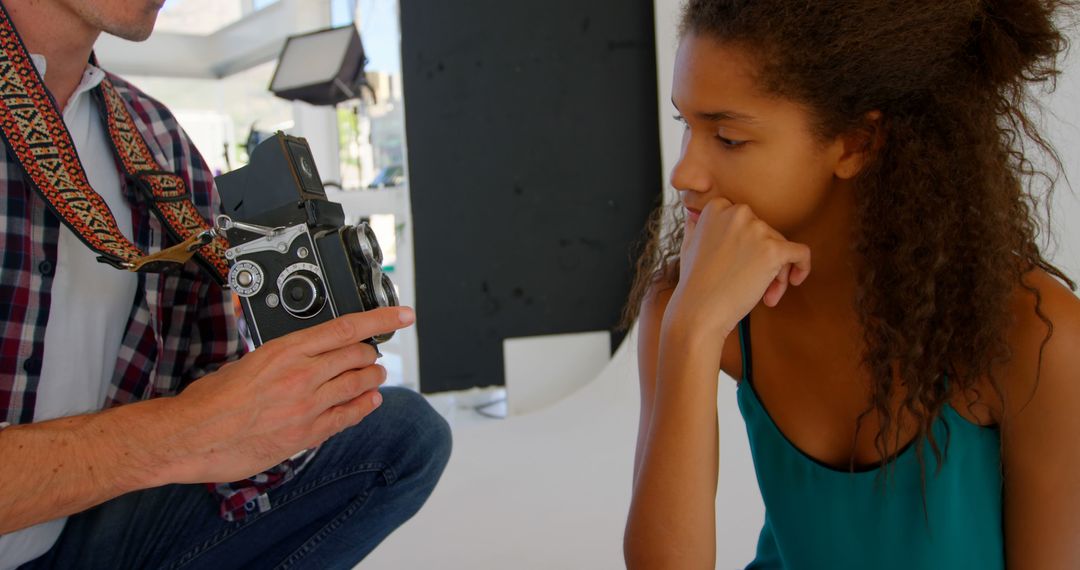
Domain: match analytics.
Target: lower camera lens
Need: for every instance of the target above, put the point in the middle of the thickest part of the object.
(389, 297)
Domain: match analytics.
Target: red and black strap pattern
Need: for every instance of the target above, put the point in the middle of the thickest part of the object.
(35, 132)
(168, 195)
(33, 128)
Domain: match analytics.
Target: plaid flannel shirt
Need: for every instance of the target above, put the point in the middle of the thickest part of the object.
(181, 326)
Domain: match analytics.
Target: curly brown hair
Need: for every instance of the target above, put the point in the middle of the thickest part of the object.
(946, 227)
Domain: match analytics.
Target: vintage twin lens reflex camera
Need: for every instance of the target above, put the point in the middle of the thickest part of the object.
(294, 262)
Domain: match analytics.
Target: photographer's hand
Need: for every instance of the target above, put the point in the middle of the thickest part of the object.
(291, 394)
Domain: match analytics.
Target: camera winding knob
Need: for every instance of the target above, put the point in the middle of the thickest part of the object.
(246, 278)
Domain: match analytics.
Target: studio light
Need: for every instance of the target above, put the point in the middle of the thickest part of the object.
(325, 67)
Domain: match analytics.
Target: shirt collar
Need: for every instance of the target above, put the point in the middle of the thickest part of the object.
(92, 75)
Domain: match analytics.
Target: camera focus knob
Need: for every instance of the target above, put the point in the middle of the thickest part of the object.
(302, 291)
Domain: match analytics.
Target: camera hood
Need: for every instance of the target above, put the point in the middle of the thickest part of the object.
(275, 185)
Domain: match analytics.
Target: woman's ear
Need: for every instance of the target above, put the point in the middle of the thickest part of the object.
(857, 147)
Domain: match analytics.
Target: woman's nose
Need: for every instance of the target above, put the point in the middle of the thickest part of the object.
(689, 172)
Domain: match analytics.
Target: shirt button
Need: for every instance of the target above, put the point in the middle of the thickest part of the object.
(32, 366)
(249, 506)
(46, 268)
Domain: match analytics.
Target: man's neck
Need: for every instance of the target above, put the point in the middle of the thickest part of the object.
(51, 29)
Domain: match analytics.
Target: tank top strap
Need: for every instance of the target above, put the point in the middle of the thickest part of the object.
(746, 350)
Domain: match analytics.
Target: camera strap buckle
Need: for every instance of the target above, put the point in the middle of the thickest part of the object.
(178, 254)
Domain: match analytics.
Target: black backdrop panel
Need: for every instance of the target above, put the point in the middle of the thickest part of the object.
(534, 160)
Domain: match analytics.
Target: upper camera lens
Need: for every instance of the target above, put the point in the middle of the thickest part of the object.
(363, 245)
(377, 254)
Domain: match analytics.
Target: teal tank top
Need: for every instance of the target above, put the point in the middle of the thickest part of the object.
(819, 517)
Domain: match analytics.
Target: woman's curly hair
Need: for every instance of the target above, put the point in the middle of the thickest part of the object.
(946, 225)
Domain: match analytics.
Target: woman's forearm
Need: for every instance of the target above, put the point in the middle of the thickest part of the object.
(672, 515)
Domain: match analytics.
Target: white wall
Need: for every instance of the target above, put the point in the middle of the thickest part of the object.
(1063, 125)
(739, 507)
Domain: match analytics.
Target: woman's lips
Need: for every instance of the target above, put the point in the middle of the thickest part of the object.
(693, 214)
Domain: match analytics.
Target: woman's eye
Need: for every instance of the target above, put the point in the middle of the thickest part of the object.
(730, 143)
(726, 142)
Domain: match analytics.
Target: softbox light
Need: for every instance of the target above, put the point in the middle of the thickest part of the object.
(325, 67)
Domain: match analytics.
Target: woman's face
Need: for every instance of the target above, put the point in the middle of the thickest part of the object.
(743, 145)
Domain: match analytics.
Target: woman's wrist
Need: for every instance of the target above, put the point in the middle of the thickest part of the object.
(688, 338)
(689, 320)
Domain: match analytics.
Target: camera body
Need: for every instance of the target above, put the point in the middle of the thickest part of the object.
(294, 261)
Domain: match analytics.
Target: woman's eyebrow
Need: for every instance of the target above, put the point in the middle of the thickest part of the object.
(717, 116)
(726, 116)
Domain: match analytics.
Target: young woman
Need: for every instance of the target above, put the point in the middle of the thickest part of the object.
(912, 399)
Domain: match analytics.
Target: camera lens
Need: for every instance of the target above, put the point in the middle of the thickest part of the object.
(387, 297)
(376, 250)
(302, 294)
(364, 246)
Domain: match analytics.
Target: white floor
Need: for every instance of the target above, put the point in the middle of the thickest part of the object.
(550, 490)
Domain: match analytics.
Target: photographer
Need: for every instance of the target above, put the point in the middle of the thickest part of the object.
(116, 403)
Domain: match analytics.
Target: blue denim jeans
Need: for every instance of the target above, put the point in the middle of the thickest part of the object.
(361, 485)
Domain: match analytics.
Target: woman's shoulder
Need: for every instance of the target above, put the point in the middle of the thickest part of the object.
(1044, 342)
(1044, 309)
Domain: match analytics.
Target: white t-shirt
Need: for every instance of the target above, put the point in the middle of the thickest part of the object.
(90, 305)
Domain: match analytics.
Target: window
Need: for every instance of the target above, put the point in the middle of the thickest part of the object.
(342, 12)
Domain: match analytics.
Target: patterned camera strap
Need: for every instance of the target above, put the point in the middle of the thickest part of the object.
(35, 132)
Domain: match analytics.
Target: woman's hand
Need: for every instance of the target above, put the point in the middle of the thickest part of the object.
(730, 260)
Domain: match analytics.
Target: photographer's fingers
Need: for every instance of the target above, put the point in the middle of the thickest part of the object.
(329, 365)
(338, 418)
(350, 385)
(349, 329)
